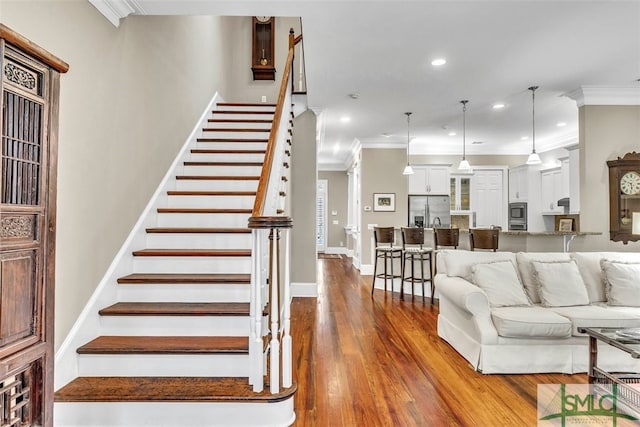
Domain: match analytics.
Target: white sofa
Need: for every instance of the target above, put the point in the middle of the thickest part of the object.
(508, 312)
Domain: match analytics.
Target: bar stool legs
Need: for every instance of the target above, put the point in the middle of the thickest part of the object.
(387, 256)
(419, 257)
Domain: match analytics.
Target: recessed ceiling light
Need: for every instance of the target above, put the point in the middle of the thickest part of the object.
(561, 124)
(336, 148)
(452, 134)
(438, 62)
(386, 135)
(498, 106)
(345, 119)
(524, 138)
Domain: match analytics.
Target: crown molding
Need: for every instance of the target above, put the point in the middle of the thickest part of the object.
(606, 95)
(114, 10)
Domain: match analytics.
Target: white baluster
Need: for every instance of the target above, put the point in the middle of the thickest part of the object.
(287, 358)
(275, 308)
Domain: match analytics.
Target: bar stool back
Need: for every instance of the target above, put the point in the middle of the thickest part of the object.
(484, 238)
(385, 249)
(413, 249)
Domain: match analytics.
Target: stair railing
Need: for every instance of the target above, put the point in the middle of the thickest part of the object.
(270, 297)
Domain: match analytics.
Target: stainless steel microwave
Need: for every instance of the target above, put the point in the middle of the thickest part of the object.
(518, 216)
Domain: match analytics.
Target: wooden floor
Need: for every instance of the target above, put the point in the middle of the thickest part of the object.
(363, 361)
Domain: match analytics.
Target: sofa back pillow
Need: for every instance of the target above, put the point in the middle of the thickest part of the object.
(526, 269)
(622, 282)
(560, 284)
(459, 262)
(591, 270)
(500, 281)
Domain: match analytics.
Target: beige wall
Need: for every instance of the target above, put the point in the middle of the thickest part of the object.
(303, 195)
(128, 102)
(338, 195)
(606, 133)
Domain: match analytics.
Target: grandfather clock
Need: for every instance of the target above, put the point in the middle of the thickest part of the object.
(29, 85)
(263, 52)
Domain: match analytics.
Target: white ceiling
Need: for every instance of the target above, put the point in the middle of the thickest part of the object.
(495, 50)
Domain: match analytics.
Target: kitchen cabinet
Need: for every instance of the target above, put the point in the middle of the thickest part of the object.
(429, 179)
(460, 192)
(519, 184)
(488, 201)
(551, 190)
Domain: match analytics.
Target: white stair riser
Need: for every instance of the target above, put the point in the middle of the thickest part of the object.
(224, 157)
(184, 293)
(173, 414)
(203, 220)
(206, 133)
(217, 326)
(243, 116)
(226, 201)
(239, 107)
(239, 125)
(161, 365)
(231, 145)
(229, 265)
(222, 170)
(216, 185)
(198, 241)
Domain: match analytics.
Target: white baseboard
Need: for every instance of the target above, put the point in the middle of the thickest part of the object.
(335, 250)
(304, 289)
(366, 269)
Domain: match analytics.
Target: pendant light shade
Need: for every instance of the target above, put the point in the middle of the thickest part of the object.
(464, 164)
(408, 170)
(534, 158)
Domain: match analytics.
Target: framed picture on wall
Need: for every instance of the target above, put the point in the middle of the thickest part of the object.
(565, 224)
(384, 202)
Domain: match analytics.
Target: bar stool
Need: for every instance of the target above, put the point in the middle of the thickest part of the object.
(448, 237)
(484, 238)
(414, 251)
(384, 243)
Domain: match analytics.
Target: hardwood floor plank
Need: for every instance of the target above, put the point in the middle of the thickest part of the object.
(378, 361)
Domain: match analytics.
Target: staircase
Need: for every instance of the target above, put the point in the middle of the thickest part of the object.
(172, 347)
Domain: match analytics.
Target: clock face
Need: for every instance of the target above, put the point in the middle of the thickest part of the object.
(263, 18)
(630, 183)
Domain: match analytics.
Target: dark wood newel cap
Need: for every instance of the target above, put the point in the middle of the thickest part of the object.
(270, 222)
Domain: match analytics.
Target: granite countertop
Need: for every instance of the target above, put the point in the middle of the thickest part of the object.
(539, 233)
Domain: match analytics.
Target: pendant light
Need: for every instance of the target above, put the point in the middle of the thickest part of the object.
(408, 170)
(533, 159)
(464, 164)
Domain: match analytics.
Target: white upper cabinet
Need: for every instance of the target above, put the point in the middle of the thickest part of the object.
(518, 184)
(433, 179)
(551, 182)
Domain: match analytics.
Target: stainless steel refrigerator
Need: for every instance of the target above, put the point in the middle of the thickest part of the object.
(429, 211)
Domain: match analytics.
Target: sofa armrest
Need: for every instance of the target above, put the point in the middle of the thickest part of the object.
(468, 301)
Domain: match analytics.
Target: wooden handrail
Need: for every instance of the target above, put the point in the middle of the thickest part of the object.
(33, 49)
(261, 194)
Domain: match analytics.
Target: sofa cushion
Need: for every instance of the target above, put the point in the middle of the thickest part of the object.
(499, 280)
(622, 282)
(526, 269)
(458, 263)
(560, 283)
(530, 322)
(591, 271)
(594, 316)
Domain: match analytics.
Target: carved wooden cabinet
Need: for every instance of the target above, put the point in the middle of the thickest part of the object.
(263, 48)
(29, 120)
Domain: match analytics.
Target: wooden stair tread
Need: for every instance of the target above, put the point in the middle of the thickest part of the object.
(240, 121)
(210, 193)
(194, 252)
(233, 140)
(176, 309)
(225, 151)
(236, 129)
(198, 230)
(218, 177)
(205, 210)
(144, 278)
(191, 163)
(245, 104)
(169, 389)
(243, 112)
(135, 344)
